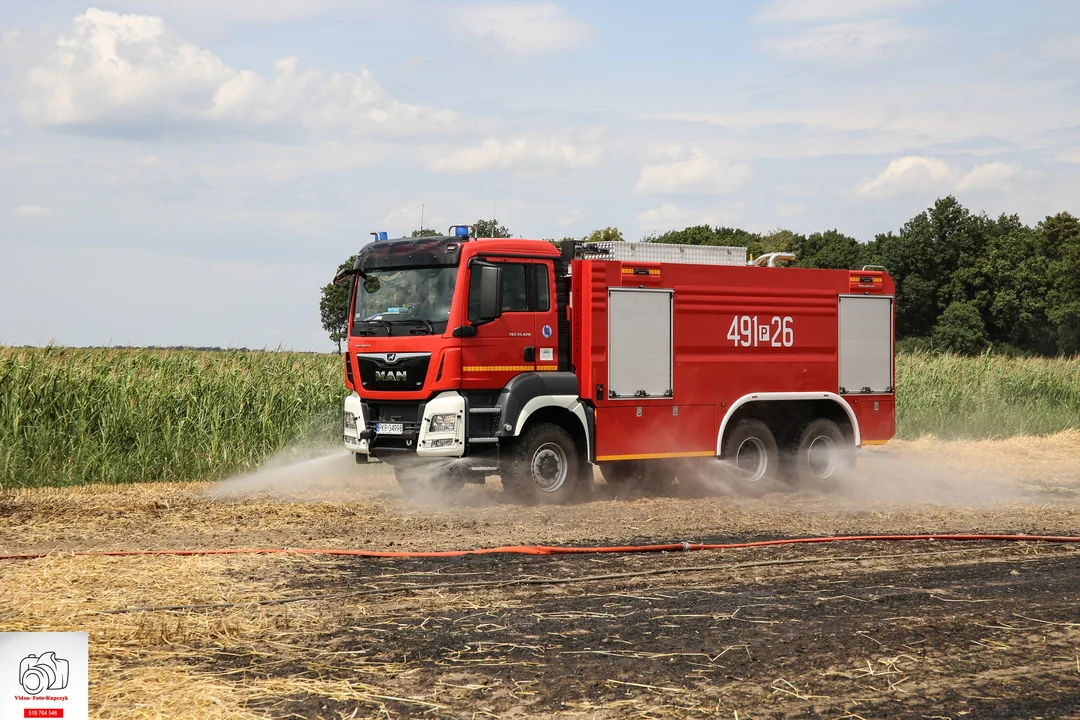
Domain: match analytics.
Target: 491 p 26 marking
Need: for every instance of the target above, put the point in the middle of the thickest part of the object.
(749, 331)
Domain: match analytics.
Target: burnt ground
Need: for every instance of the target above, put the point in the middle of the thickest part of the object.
(841, 630)
(986, 632)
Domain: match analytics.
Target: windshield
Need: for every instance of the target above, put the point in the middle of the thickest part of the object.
(419, 297)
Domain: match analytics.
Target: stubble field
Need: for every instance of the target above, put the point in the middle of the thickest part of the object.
(844, 630)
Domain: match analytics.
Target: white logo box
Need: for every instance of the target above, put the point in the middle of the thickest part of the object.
(44, 675)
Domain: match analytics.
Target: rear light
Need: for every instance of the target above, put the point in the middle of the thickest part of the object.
(348, 370)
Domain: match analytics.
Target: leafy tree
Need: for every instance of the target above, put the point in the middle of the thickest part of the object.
(490, 229)
(608, 234)
(426, 232)
(960, 329)
(334, 306)
(706, 235)
(1060, 239)
(830, 249)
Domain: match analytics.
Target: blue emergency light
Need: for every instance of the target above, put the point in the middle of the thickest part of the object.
(381, 235)
(461, 231)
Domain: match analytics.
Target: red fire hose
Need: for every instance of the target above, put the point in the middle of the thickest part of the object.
(559, 550)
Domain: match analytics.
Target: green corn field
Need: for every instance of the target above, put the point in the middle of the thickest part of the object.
(71, 416)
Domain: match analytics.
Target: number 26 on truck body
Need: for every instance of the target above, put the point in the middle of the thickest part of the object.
(751, 331)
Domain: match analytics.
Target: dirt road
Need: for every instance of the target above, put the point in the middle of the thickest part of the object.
(856, 630)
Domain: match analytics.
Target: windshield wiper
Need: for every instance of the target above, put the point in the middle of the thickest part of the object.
(427, 323)
(386, 324)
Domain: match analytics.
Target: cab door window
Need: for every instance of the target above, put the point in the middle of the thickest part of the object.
(541, 288)
(515, 291)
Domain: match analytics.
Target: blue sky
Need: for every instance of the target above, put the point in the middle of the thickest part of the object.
(191, 171)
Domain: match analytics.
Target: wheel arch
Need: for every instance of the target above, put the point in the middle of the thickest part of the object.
(572, 420)
(794, 407)
(546, 397)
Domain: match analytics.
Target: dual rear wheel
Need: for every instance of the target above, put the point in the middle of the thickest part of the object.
(815, 455)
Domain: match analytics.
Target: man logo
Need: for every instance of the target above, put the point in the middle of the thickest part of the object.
(391, 358)
(390, 376)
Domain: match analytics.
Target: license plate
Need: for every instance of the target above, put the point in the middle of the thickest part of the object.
(389, 428)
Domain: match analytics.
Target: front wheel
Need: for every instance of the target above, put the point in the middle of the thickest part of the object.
(545, 468)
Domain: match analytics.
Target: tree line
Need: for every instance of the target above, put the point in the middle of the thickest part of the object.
(965, 282)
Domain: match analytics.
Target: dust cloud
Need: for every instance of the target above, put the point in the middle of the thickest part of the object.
(904, 478)
(298, 474)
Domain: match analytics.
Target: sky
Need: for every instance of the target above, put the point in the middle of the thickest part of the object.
(191, 172)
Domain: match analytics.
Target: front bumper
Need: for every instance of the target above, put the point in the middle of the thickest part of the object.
(355, 426)
(416, 436)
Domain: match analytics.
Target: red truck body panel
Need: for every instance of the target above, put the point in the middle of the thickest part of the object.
(710, 373)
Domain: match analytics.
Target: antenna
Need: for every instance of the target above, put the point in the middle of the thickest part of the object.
(421, 218)
(495, 215)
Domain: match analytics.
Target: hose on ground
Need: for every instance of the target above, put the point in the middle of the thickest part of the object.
(564, 550)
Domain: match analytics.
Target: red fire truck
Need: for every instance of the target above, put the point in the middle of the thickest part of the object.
(470, 358)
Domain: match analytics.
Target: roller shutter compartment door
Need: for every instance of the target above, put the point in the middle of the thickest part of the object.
(866, 344)
(639, 343)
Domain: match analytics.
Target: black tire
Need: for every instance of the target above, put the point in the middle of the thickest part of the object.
(752, 458)
(545, 468)
(360, 458)
(822, 454)
(426, 484)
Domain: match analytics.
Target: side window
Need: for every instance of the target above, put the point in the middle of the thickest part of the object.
(515, 297)
(543, 292)
(514, 294)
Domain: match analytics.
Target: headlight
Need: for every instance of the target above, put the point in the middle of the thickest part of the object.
(443, 423)
(350, 421)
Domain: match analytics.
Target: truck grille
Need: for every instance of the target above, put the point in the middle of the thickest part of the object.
(409, 415)
(393, 371)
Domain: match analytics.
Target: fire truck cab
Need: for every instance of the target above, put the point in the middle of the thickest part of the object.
(468, 358)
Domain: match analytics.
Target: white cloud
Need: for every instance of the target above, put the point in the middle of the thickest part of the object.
(1064, 47)
(698, 174)
(851, 42)
(570, 218)
(495, 154)
(908, 174)
(525, 29)
(669, 216)
(1070, 155)
(914, 174)
(814, 10)
(995, 176)
(30, 211)
(245, 11)
(130, 74)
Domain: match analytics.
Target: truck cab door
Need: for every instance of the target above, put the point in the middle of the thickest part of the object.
(546, 333)
(504, 347)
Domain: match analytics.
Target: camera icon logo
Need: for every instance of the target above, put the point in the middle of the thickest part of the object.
(38, 673)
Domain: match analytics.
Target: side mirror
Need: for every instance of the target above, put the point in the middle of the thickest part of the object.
(491, 277)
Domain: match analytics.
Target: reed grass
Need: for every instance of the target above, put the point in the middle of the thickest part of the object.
(72, 416)
(990, 396)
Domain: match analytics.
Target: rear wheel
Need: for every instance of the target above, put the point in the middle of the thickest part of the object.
(545, 468)
(752, 457)
(822, 453)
